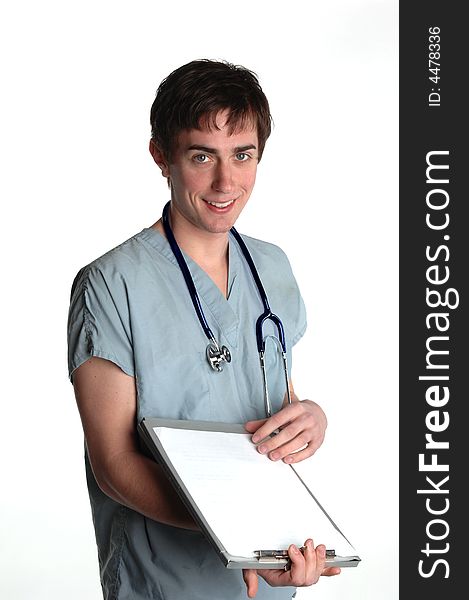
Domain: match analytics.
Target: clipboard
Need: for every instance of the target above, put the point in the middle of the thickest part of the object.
(215, 467)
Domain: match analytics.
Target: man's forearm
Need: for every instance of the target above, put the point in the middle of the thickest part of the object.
(136, 481)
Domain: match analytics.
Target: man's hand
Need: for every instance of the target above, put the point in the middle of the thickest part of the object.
(301, 427)
(306, 568)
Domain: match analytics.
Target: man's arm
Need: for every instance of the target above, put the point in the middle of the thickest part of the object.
(302, 427)
(107, 402)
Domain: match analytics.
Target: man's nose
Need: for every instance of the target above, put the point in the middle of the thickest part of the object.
(223, 181)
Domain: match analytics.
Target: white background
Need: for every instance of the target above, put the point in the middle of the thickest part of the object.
(78, 79)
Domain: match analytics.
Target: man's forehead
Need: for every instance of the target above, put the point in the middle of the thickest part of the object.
(211, 134)
(229, 120)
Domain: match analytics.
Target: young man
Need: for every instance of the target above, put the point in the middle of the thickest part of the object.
(137, 347)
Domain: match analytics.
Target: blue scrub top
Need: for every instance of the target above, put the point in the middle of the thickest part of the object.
(132, 307)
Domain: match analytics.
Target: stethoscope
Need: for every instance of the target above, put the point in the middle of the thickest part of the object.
(218, 355)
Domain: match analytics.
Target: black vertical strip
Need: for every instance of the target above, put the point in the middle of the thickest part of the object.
(434, 256)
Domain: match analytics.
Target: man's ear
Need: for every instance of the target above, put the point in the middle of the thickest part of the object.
(159, 158)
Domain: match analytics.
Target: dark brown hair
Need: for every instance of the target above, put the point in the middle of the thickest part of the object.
(192, 96)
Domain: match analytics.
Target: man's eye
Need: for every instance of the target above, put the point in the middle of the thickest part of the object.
(200, 158)
(242, 156)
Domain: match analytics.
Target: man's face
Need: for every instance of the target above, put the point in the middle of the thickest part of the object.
(212, 175)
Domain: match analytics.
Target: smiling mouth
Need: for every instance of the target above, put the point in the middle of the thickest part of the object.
(220, 204)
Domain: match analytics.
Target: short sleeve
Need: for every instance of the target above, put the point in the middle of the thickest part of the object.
(286, 295)
(296, 305)
(99, 321)
(282, 289)
(293, 308)
(301, 320)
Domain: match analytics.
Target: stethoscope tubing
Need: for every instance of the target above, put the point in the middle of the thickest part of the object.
(265, 316)
(216, 354)
(187, 275)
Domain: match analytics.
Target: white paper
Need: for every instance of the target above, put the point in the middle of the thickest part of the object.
(250, 502)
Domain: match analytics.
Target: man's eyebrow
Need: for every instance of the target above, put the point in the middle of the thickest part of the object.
(244, 148)
(214, 150)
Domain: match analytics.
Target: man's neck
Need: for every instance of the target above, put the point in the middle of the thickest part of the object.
(208, 250)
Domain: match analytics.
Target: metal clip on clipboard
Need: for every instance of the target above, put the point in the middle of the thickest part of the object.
(282, 555)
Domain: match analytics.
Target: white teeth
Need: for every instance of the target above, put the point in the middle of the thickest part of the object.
(221, 204)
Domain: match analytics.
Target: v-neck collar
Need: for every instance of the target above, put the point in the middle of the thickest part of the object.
(220, 308)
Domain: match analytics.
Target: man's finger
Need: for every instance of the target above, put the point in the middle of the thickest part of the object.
(276, 421)
(319, 562)
(330, 571)
(310, 560)
(284, 435)
(297, 566)
(251, 581)
(300, 455)
(252, 426)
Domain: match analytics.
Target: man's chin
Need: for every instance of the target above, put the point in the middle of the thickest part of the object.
(220, 224)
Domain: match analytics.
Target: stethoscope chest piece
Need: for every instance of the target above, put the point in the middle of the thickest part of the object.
(216, 356)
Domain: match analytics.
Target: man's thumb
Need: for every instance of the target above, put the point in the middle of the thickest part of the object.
(250, 579)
